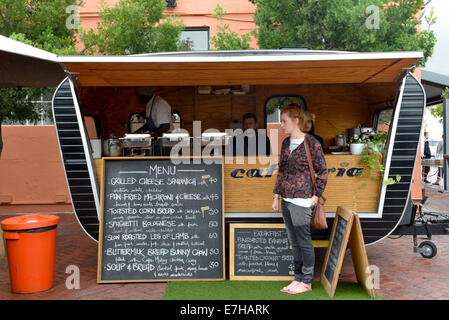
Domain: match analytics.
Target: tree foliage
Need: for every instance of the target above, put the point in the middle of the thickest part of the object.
(225, 39)
(438, 110)
(445, 94)
(133, 27)
(42, 24)
(348, 25)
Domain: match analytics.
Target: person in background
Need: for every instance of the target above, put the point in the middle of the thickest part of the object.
(425, 154)
(250, 137)
(439, 156)
(157, 112)
(310, 127)
(299, 194)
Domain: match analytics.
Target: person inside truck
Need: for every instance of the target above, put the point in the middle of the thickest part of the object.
(310, 127)
(157, 112)
(251, 142)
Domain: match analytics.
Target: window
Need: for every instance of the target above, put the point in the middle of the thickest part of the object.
(171, 3)
(274, 105)
(272, 110)
(382, 119)
(195, 39)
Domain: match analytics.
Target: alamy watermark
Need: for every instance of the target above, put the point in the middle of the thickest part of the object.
(73, 280)
(207, 147)
(373, 280)
(73, 20)
(373, 20)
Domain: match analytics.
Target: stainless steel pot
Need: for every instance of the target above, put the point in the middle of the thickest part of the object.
(340, 140)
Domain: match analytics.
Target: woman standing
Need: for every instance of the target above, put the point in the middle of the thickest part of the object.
(299, 195)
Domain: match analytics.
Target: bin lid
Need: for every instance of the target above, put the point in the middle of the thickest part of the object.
(30, 221)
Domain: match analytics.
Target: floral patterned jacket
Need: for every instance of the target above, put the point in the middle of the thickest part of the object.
(294, 179)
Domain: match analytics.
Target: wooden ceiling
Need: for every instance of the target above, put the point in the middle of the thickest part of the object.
(135, 72)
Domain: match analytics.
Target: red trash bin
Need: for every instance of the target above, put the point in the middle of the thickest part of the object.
(31, 248)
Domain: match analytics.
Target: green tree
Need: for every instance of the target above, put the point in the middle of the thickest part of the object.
(225, 39)
(445, 94)
(437, 111)
(40, 23)
(348, 25)
(133, 27)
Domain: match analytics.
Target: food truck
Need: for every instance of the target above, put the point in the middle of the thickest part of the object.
(345, 91)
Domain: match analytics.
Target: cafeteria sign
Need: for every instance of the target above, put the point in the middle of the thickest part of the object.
(268, 172)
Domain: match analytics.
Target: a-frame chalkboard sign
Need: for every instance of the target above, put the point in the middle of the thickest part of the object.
(346, 228)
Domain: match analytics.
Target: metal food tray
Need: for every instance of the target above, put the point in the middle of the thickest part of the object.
(136, 142)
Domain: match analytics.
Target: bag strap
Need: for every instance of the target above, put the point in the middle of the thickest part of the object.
(309, 159)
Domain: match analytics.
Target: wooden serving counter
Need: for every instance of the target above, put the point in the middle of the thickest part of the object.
(249, 182)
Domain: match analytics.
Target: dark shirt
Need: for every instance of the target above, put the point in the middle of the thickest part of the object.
(427, 153)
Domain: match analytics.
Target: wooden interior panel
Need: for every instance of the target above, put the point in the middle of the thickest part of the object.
(214, 111)
(231, 77)
(240, 105)
(336, 107)
(114, 105)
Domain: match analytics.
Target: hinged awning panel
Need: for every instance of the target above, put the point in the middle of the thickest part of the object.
(294, 69)
(26, 66)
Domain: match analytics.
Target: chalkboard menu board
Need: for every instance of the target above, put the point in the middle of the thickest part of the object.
(259, 251)
(335, 249)
(341, 230)
(161, 221)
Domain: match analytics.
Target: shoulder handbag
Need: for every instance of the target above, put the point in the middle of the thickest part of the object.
(318, 220)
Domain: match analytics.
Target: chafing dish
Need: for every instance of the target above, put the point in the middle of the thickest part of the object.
(136, 140)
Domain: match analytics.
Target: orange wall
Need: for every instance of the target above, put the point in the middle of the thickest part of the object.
(194, 13)
(31, 174)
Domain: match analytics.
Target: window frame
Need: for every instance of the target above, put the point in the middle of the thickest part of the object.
(200, 29)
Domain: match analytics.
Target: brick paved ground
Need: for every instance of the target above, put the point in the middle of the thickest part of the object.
(403, 273)
(74, 247)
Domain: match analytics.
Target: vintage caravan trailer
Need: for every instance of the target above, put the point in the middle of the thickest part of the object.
(342, 89)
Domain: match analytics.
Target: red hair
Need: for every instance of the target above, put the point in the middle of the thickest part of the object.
(293, 110)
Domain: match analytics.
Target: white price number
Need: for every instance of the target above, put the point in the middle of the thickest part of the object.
(213, 180)
(213, 224)
(213, 211)
(214, 251)
(213, 235)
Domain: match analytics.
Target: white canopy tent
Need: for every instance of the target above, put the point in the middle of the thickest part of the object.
(26, 66)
